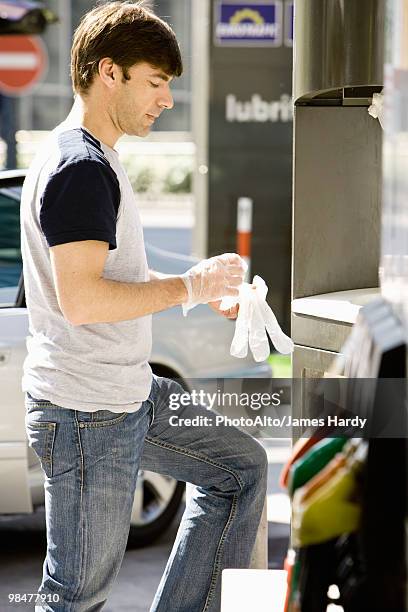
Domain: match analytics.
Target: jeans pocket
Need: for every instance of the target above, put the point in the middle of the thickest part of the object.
(100, 418)
(41, 436)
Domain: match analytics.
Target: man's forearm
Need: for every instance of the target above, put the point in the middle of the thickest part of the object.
(154, 275)
(108, 301)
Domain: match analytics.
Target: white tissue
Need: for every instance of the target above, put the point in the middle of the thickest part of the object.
(376, 109)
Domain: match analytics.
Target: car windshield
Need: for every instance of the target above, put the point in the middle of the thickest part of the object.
(10, 248)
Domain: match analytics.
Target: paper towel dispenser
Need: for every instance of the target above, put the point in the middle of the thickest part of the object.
(338, 44)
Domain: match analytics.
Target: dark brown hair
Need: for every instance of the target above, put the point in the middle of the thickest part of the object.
(128, 33)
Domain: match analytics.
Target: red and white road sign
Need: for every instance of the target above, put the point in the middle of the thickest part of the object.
(23, 61)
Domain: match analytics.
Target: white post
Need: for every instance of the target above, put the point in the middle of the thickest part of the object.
(201, 28)
(259, 558)
(244, 232)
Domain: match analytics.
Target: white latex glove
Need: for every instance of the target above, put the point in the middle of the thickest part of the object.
(258, 339)
(239, 346)
(255, 318)
(281, 341)
(211, 279)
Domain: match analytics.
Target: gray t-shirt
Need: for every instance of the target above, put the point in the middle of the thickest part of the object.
(76, 189)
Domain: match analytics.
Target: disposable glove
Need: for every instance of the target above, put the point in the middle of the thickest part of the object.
(255, 318)
(211, 279)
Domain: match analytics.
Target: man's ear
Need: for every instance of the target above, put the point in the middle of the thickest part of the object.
(107, 70)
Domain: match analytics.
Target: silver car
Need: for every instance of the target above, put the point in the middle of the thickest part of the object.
(196, 347)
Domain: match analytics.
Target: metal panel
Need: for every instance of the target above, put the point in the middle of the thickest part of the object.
(309, 365)
(339, 43)
(319, 333)
(337, 200)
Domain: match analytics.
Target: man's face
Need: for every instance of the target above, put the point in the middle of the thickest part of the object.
(139, 101)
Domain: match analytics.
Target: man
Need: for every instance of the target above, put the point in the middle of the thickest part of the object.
(95, 413)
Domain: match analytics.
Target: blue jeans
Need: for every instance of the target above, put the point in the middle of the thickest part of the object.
(91, 462)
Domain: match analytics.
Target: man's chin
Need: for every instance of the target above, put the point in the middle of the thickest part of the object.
(140, 132)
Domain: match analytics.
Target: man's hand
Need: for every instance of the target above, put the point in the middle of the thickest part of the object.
(213, 278)
(231, 313)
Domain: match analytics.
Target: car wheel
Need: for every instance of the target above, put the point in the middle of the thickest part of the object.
(157, 500)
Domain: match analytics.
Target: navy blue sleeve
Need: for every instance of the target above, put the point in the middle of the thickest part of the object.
(80, 202)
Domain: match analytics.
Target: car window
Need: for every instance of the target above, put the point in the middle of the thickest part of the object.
(10, 248)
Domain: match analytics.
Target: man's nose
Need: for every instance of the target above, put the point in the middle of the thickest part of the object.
(166, 100)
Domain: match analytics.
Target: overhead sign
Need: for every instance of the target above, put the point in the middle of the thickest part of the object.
(257, 110)
(248, 24)
(23, 62)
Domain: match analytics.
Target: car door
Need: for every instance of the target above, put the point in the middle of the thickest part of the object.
(14, 483)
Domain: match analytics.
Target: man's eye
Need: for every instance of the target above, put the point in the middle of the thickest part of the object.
(153, 84)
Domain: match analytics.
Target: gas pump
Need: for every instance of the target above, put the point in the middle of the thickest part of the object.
(338, 66)
(342, 207)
